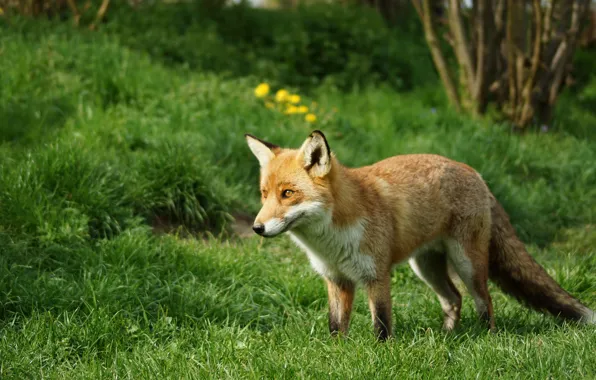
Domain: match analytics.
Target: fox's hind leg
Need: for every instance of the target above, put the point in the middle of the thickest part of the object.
(470, 261)
(431, 267)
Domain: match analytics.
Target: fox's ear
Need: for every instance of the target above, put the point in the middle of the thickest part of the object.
(316, 154)
(262, 150)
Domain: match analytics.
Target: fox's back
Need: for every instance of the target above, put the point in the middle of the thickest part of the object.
(419, 177)
(426, 193)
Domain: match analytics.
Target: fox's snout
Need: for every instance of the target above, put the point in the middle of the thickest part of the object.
(271, 227)
(258, 228)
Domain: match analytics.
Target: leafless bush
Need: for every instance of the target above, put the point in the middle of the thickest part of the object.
(513, 53)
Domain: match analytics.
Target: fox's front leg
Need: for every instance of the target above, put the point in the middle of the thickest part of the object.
(379, 301)
(341, 297)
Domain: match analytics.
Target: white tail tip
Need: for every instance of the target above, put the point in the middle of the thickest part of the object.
(589, 318)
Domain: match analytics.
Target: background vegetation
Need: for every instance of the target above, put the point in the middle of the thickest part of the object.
(110, 138)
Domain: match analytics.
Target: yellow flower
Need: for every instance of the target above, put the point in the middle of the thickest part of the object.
(269, 105)
(1, 11)
(291, 110)
(294, 99)
(262, 90)
(281, 95)
(311, 117)
(302, 109)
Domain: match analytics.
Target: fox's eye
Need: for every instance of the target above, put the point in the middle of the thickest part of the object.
(287, 193)
(264, 193)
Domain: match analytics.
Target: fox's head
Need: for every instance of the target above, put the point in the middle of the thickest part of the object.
(295, 184)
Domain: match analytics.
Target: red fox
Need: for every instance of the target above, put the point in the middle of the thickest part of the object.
(355, 224)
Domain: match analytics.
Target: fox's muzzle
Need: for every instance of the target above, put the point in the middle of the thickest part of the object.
(258, 228)
(271, 228)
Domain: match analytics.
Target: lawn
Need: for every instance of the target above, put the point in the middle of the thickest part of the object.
(123, 162)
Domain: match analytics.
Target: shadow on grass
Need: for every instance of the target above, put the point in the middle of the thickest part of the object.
(28, 121)
(190, 288)
(523, 323)
(145, 278)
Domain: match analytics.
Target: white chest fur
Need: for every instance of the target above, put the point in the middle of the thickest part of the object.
(335, 252)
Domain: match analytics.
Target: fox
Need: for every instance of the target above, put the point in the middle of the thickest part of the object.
(356, 224)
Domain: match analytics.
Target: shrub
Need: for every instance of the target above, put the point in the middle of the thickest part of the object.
(345, 45)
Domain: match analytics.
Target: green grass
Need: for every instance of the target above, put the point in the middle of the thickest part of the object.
(103, 141)
(147, 306)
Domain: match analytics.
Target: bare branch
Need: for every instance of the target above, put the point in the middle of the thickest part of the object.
(561, 61)
(527, 108)
(462, 51)
(548, 21)
(73, 8)
(486, 53)
(438, 58)
(500, 15)
(100, 14)
(416, 4)
(511, 58)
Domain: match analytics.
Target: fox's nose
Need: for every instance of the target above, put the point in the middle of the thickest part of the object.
(258, 228)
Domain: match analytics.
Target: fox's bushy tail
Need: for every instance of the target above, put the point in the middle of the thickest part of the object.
(518, 274)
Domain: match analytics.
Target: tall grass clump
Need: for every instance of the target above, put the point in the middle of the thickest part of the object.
(178, 186)
(63, 193)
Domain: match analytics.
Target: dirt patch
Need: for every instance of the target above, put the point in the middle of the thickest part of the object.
(241, 227)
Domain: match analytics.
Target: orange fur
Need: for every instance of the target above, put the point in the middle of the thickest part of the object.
(357, 223)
